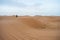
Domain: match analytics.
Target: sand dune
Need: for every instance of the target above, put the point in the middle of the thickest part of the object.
(29, 28)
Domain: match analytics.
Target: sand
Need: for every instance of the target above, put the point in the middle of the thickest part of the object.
(30, 28)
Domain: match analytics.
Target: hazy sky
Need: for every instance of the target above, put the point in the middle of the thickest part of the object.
(30, 7)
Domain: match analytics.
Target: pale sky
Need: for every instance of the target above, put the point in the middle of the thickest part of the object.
(30, 7)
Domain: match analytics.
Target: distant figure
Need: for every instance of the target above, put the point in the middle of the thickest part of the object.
(16, 16)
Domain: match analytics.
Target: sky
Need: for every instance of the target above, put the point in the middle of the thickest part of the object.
(30, 7)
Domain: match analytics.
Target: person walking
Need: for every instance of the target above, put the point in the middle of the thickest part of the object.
(16, 16)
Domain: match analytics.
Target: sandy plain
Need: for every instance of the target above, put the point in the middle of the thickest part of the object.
(30, 28)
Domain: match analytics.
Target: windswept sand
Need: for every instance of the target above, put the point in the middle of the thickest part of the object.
(29, 28)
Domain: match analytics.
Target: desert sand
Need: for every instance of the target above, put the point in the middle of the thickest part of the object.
(30, 28)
